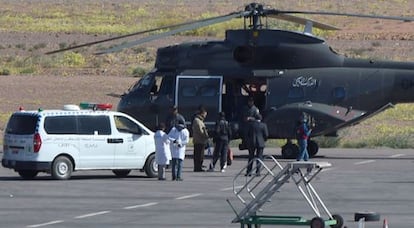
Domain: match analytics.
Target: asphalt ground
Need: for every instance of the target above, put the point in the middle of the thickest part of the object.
(360, 180)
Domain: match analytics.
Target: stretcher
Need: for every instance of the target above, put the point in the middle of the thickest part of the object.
(259, 186)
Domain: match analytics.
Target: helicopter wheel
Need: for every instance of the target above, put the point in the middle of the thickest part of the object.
(290, 151)
(313, 148)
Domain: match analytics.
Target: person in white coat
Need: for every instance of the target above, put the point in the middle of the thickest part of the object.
(162, 150)
(181, 137)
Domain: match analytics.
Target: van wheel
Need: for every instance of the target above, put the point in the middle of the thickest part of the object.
(121, 172)
(28, 174)
(62, 168)
(151, 167)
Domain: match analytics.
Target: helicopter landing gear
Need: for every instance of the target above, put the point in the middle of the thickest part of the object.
(313, 148)
(290, 150)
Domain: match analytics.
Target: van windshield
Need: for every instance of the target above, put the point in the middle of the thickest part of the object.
(22, 124)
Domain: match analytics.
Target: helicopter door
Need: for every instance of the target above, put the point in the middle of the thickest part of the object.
(193, 91)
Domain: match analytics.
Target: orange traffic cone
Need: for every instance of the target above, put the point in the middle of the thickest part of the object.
(385, 224)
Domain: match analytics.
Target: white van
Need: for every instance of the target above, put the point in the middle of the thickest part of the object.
(62, 141)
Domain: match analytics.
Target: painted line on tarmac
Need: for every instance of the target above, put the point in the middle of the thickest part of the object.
(231, 188)
(364, 162)
(92, 214)
(141, 205)
(396, 155)
(46, 224)
(188, 196)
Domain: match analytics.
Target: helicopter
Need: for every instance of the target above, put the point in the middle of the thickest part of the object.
(289, 74)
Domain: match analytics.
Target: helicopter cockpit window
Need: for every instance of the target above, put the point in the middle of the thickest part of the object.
(166, 85)
(145, 81)
(156, 86)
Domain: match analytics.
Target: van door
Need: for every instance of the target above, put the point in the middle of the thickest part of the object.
(193, 91)
(96, 149)
(131, 150)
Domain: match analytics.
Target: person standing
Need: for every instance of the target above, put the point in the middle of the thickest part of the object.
(250, 114)
(180, 136)
(302, 134)
(162, 150)
(200, 139)
(257, 135)
(221, 139)
(173, 118)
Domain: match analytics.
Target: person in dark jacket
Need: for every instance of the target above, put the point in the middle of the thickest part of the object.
(250, 114)
(174, 118)
(221, 138)
(257, 135)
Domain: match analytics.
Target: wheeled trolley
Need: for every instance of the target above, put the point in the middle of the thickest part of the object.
(258, 187)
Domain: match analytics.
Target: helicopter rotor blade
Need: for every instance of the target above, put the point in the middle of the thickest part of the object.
(253, 10)
(397, 18)
(117, 38)
(303, 21)
(189, 26)
(237, 14)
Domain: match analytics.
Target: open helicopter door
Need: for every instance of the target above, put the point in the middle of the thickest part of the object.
(193, 91)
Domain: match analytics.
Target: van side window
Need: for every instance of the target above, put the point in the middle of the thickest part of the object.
(89, 125)
(126, 125)
(80, 125)
(60, 125)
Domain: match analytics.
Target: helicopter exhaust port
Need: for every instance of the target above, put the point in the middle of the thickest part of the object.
(243, 54)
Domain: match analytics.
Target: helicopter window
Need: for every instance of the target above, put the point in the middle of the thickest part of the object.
(296, 92)
(145, 81)
(156, 86)
(189, 91)
(339, 92)
(166, 85)
(207, 91)
(253, 88)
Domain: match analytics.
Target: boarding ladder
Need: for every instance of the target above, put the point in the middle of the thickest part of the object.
(256, 188)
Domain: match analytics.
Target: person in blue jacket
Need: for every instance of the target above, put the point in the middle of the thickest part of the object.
(302, 133)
